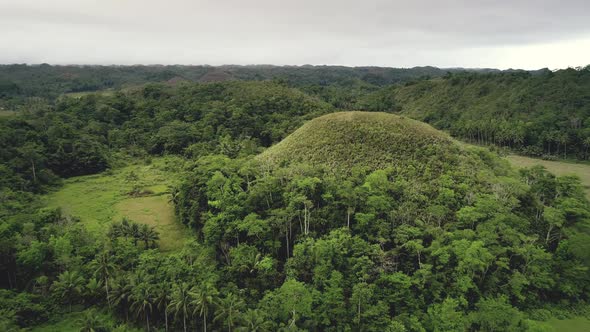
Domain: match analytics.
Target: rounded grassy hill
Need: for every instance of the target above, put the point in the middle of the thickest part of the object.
(371, 140)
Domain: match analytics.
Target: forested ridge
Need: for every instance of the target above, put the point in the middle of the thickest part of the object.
(302, 217)
(544, 115)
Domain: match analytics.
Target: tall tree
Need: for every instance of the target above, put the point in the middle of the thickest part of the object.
(34, 154)
(68, 286)
(180, 302)
(204, 297)
(142, 300)
(254, 320)
(162, 300)
(228, 310)
(104, 268)
(148, 235)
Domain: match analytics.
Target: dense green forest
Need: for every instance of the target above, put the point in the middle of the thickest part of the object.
(299, 216)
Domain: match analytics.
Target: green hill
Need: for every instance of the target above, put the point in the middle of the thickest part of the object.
(371, 140)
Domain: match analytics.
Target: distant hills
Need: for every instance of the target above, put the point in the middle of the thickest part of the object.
(20, 81)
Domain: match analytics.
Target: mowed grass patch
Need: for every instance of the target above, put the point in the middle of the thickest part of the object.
(90, 198)
(559, 168)
(576, 324)
(100, 199)
(156, 211)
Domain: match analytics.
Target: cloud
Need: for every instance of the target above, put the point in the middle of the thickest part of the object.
(481, 33)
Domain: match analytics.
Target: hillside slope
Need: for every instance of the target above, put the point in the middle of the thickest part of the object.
(371, 140)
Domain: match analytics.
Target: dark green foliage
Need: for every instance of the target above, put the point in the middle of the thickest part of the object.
(130, 230)
(24, 309)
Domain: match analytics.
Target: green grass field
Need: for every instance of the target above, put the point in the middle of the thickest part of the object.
(576, 324)
(6, 113)
(557, 168)
(102, 198)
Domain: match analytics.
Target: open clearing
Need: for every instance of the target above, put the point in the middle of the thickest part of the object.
(6, 113)
(577, 324)
(102, 198)
(556, 167)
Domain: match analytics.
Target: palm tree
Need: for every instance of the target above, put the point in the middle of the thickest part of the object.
(120, 229)
(563, 138)
(229, 309)
(254, 321)
(90, 322)
(148, 235)
(104, 268)
(142, 302)
(162, 301)
(180, 302)
(134, 232)
(153, 236)
(68, 285)
(126, 230)
(93, 290)
(203, 298)
(121, 295)
(586, 143)
(115, 231)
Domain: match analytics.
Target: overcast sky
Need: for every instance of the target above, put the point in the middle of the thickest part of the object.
(526, 34)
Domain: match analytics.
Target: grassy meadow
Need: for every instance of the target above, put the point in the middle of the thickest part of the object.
(102, 198)
(6, 113)
(576, 324)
